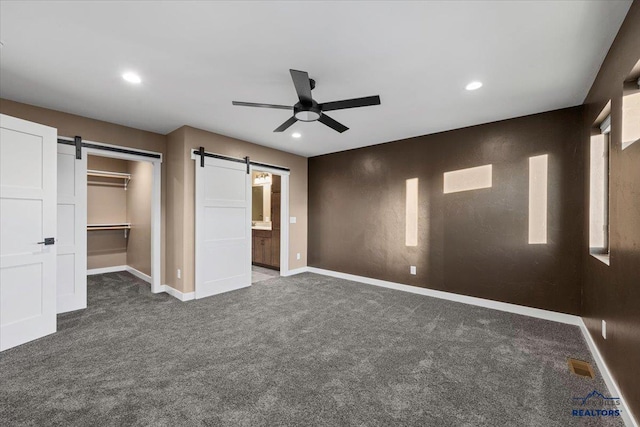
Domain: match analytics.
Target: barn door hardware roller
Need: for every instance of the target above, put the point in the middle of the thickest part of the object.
(79, 145)
(246, 160)
(77, 140)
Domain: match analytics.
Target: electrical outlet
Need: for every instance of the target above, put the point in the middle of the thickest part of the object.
(604, 329)
(412, 270)
(179, 274)
(298, 255)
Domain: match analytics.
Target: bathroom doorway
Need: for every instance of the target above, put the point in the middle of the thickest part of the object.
(266, 233)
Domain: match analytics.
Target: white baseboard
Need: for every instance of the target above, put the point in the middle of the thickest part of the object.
(104, 270)
(296, 271)
(177, 294)
(481, 302)
(606, 375)
(502, 306)
(164, 288)
(139, 274)
(117, 268)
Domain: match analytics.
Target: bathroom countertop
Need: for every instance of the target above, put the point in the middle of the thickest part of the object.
(260, 227)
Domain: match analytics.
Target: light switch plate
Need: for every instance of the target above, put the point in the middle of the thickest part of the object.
(292, 220)
(412, 270)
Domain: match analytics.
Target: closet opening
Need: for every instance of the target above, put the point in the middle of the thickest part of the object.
(266, 235)
(123, 215)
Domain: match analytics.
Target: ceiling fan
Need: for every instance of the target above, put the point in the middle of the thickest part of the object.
(308, 110)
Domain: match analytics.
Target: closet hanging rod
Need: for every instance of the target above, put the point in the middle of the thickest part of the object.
(108, 174)
(120, 226)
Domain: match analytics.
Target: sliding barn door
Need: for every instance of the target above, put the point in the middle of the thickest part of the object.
(72, 230)
(223, 232)
(27, 231)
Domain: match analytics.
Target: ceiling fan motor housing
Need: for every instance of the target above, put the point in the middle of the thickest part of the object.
(307, 113)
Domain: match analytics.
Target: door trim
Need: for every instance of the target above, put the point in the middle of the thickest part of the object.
(284, 212)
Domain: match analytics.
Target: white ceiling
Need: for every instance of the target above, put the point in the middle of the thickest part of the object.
(196, 57)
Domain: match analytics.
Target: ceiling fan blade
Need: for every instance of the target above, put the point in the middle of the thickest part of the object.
(286, 124)
(337, 126)
(303, 85)
(350, 103)
(253, 104)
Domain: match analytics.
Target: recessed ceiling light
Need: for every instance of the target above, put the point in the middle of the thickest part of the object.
(132, 77)
(473, 86)
(296, 135)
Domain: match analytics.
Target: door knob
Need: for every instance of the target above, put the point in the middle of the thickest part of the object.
(48, 241)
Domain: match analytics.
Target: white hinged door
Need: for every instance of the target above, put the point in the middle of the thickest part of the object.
(27, 231)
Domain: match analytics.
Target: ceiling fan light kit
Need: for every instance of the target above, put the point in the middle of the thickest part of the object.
(306, 115)
(308, 110)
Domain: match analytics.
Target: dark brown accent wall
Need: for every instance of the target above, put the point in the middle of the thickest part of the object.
(612, 292)
(472, 243)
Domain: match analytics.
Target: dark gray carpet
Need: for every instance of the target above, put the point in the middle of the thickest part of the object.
(304, 350)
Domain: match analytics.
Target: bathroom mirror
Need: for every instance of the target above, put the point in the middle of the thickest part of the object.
(261, 199)
(257, 203)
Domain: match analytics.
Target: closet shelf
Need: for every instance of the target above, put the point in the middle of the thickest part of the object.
(120, 226)
(106, 174)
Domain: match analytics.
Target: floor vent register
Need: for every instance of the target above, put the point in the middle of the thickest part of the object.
(582, 368)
